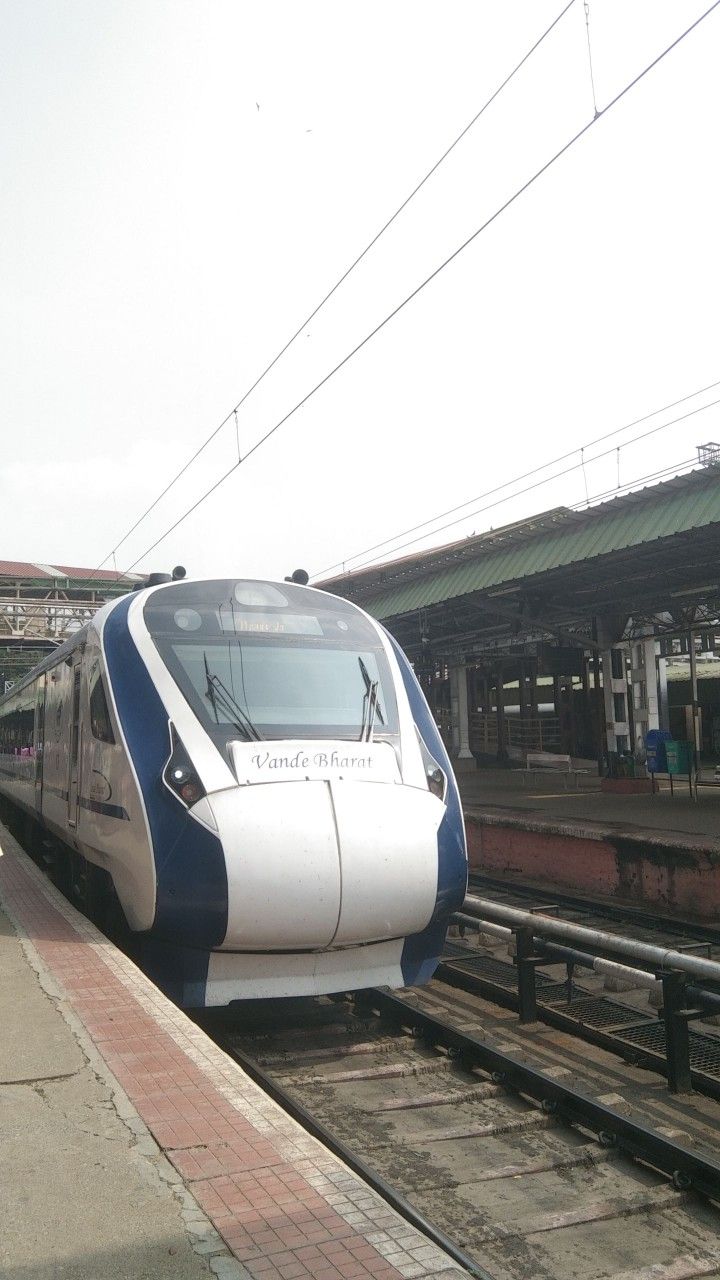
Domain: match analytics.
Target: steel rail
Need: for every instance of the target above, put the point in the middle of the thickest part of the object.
(643, 953)
(686, 1167)
(355, 1162)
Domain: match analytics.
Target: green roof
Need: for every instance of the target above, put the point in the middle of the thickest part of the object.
(562, 537)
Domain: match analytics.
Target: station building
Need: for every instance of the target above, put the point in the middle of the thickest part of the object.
(573, 632)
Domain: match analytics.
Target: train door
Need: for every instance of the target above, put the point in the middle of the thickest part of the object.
(75, 733)
(39, 740)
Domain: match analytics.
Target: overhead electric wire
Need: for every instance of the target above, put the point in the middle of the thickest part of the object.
(345, 275)
(590, 61)
(537, 484)
(620, 491)
(589, 444)
(428, 279)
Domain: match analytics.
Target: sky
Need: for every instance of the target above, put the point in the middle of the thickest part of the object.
(183, 182)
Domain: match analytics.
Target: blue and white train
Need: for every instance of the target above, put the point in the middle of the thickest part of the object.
(250, 770)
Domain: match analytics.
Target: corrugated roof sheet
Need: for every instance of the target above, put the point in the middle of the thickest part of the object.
(52, 573)
(98, 575)
(20, 569)
(677, 506)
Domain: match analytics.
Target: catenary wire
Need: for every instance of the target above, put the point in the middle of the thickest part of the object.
(344, 277)
(557, 475)
(677, 469)
(590, 61)
(620, 491)
(526, 475)
(428, 279)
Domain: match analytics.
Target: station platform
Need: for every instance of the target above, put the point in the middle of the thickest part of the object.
(546, 794)
(660, 852)
(133, 1148)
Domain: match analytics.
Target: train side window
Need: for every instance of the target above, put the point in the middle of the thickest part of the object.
(99, 714)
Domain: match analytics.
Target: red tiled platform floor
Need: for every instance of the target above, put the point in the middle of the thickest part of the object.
(286, 1207)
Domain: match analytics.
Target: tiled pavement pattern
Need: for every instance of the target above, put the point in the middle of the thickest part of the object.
(286, 1207)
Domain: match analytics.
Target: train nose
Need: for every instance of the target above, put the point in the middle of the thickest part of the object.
(388, 850)
(328, 863)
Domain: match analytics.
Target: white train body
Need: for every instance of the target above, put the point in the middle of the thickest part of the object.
(256, 770)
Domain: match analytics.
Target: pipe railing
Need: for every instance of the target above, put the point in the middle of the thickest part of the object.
(540, 938)
(568, 955)
(645, 954)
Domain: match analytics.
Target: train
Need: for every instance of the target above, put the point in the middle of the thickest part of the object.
(246, 774)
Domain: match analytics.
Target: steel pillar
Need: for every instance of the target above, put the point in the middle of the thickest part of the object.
(615, 692)
(460, 714)
(526, 959)
(643, 676)
(676, 1015)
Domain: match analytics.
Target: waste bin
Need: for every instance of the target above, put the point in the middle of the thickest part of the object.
(656, 756)
(679, 757)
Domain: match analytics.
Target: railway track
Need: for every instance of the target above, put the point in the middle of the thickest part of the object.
(518, 1168)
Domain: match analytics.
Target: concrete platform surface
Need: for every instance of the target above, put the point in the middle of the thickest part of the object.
(133, 1148)
(663, 816)
(80, 1195)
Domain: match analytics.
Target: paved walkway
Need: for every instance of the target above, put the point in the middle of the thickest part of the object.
(499, 790)
(131, 1147)
(85, 1191)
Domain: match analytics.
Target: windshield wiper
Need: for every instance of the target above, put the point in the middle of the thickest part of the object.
(219, 696)
(210, 692)
(370, 705)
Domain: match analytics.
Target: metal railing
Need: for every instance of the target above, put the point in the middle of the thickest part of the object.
(540, 938)
(520, 734)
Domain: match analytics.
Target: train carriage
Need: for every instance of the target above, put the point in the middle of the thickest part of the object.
(249, 771)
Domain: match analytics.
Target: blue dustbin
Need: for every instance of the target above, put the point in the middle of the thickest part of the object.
(655, 740)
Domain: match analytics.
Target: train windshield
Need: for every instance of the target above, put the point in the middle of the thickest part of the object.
(255, 660)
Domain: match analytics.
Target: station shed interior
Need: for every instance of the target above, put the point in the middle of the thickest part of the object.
(573, 632)
(41, 605)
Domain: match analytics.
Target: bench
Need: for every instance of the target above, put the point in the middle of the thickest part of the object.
(543, 762)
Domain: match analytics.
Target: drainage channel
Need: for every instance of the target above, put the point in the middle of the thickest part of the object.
(511, 1170)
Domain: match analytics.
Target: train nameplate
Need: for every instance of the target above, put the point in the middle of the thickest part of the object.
(312, 760)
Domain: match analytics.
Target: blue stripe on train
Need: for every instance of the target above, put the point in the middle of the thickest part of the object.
(421, 950)
(192, 891)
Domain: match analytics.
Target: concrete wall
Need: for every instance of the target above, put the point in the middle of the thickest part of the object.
(673, 880)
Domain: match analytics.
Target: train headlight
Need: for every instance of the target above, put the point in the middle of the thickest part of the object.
(186, 784)
(180, 775)
(436, 781)
(434, 775)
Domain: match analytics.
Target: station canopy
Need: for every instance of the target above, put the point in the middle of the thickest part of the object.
(648, 559)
